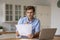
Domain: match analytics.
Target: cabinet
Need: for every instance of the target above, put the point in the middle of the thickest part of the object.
(10, 12)
(17, 12)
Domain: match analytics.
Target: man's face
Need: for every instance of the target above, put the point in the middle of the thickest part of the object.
(30, 13)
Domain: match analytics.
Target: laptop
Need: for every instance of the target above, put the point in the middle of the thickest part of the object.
(47, 33)
(24, 29)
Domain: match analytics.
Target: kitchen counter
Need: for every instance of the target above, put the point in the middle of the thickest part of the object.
(6, 32)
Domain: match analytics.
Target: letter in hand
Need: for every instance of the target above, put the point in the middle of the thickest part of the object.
(26, 22)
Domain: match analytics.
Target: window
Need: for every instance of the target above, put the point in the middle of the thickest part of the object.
(8, 12)
(17, 12)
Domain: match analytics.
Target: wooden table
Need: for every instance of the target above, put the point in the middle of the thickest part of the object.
(55, 38)
(17, 39)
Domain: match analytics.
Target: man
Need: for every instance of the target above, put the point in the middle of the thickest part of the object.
(29, 19)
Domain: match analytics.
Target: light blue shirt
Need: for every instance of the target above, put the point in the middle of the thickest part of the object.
(35, 24)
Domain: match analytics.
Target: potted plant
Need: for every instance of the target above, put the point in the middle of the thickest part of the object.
(1, 28)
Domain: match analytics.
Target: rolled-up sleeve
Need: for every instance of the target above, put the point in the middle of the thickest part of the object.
(37, 29)
(20, 21)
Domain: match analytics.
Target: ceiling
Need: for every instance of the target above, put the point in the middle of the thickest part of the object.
(43, 2)
(38, 2)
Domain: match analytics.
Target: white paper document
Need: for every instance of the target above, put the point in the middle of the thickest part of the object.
(24, 29)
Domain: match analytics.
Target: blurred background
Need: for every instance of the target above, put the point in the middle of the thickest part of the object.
(47, 11)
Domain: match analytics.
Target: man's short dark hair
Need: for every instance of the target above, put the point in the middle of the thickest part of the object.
(30, 7)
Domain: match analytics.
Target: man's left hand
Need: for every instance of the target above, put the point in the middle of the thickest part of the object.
(30, 36)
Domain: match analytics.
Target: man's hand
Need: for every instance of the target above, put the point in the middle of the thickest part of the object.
(17, 33)
(36, 35)
(30, 36)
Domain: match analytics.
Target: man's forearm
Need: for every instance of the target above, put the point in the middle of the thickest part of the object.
(36, 35)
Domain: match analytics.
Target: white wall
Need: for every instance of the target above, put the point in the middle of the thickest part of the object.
(55, 16)
(44, 14)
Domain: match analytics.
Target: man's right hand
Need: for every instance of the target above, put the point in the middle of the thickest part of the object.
(17, 34)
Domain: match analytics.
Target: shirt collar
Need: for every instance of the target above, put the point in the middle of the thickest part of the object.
(30, 21)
